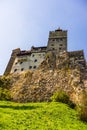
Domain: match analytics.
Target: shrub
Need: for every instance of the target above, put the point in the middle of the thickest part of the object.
(83, 113)
(83, 107)
(62, 97)
(4, 82)
(4, 88)
(4, 94)
(71, 104)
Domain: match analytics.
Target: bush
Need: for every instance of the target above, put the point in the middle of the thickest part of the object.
(62, 97)
(4, 94)
(83, 113)
(4, 88)
(71, 104)
(4, 82)
(83, 107)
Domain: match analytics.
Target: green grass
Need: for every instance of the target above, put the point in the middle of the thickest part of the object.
(39, 116)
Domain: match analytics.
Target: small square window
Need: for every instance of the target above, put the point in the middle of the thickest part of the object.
(60, 48)
(22, 69)
(21, 62)
(15, 70)
(30, 67)
(35, 60)
(61, 39)
(53, 40)
(34, 67)
(33, 55)
(61, 44)
(57, 40)
(52, 44)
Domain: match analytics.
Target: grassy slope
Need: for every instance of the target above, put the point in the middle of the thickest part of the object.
(38, 116)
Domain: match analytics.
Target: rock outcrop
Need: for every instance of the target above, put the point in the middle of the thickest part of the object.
(54, 74)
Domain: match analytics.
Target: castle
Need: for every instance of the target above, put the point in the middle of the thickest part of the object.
(31, 59)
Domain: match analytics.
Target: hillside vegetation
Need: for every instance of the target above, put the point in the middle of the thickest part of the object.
(43, 85)
(39, 116)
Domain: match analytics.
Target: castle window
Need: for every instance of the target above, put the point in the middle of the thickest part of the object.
(52, 44)
(34, 67)
(61, 45)
(35, 60)
(57, 40)
(21, 62)
(30, 67)
(60, 48)
(15, 70)
(33, 55)
(53, 39)
(53, 48)
(22, 69)
(61, 39)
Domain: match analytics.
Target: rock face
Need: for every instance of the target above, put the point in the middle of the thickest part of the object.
(54, 74)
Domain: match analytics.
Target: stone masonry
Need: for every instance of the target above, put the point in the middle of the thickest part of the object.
(32, 59)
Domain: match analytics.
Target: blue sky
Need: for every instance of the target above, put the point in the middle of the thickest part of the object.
(24, 23)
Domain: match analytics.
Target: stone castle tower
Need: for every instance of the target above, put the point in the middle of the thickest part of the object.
(57, 40)
(31, 59)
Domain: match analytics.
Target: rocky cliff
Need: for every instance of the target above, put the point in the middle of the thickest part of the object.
(55, 73)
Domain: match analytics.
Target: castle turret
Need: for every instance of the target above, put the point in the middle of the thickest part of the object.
(57, 40)
(11, 61)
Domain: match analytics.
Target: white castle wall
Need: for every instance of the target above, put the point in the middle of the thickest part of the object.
(26, 62)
